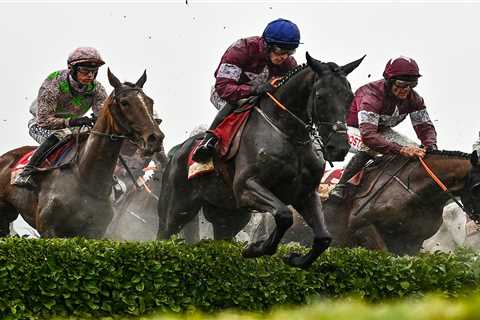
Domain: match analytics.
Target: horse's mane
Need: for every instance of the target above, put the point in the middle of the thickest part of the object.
(106, 112)
(331, 65)
(449, 153)
(290, 74)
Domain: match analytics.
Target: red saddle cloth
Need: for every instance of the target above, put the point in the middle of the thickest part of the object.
(333, 176)
(228, 129)
(53, 159)
(226, 132)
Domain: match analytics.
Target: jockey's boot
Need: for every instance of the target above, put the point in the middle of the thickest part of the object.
(353, 167)
(25, 178)
(206, 148)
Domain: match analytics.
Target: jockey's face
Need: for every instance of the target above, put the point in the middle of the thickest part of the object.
(86, 75)
(402, 88)
(278, 59)
(279, 55)
(401, 93)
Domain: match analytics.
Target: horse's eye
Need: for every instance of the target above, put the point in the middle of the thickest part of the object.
(124, 103)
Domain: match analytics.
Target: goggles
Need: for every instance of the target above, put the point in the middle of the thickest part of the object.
(405, 84)
(87, 70)
(280, 51)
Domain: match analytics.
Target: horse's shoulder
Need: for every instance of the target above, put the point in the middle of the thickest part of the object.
(17, 153)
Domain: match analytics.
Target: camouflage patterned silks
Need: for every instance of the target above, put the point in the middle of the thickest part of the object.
(61, 98)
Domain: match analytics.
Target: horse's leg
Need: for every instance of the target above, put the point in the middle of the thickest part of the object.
(174, 213)
(256, 196)
(226, 224)
(310, 208)
(7, 215)
(370, 238)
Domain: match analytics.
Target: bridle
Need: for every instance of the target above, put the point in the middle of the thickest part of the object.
(311, 128)
(117, 137)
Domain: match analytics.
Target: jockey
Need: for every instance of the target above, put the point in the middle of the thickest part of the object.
(379, 106)
(246, 69)
(63, 100)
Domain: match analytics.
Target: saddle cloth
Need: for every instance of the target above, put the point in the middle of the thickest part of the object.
(330, 179)
(61, 155)
(379, 168)
(228, 132)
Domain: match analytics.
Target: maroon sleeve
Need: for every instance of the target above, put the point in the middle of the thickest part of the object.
(229, 72)
(368, 119)
(422, 124)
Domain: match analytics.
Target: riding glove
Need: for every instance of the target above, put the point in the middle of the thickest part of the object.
(432, 147)
(80, 122)
(262, 88)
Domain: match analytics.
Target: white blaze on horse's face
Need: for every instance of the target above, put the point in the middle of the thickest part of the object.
(148, 111)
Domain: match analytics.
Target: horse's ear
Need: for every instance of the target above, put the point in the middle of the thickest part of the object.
(313, 63)
(113, 80)
(352, 65)
(142, 80)
(474, 158)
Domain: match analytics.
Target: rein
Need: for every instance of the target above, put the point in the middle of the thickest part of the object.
(440, 184)
(281, 106)
(314, 135)
(113, 137)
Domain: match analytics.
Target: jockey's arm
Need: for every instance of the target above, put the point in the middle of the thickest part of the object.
(46, 110)
(100, 97)
(423, 126)
(229, 73)
(230, 90)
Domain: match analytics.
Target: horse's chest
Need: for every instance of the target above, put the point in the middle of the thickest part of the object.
(288, 168)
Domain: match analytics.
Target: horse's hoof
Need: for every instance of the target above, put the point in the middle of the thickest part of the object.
(253, 250)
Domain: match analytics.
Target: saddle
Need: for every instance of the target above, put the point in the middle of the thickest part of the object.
(61, 155)
(229, 133)
(358, 187)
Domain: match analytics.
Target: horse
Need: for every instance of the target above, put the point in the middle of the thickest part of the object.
(398, 205)
(74, 200)
(135, 216)
(276, 163)
(456, 231)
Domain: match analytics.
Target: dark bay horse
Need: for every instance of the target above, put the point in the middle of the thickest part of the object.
(406, 210)
(276, 164)
(75, 200)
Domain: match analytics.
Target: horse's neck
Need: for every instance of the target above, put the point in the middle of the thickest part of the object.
(293, 95)
(98, 159)
(452, 171)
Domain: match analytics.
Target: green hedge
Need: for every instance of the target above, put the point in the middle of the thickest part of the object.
(430, 308)
(39, 278)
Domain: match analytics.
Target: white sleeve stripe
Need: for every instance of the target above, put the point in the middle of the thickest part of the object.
(419, 117)
(368, 117)
(229, 71)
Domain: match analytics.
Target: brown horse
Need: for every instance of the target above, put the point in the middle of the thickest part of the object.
(75, 200)
(398, 205)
